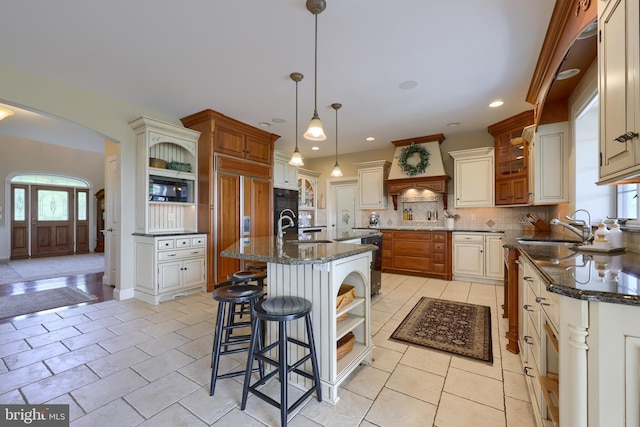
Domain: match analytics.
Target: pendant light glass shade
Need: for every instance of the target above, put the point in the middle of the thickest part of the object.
(296, 158)
(315, 132)
(336, 172)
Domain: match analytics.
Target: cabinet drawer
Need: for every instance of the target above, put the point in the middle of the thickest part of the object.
(533, 342)
(439, 237)
(470, 238)
(549, 302)
(533, 309)
(197, 241)
(412, 263)
(439, 258)
(183, 243)
(439, 248)
(166, 244)
(187, 253)
(411, 248)
(404, 235)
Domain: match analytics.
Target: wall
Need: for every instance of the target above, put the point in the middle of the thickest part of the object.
(108, 117)
(19, 155)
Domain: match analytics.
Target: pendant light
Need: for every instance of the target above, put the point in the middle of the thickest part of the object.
(336, 169)
(296, 158)
(315, 132)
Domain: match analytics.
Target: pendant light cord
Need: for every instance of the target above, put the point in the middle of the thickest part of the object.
(336, 137)
(296, 116)
(315, 90)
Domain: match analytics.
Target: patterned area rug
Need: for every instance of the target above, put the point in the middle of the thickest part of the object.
(456, 327)
(32, 302)
(44, 268)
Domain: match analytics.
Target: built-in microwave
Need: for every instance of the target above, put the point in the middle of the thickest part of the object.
(163, 189)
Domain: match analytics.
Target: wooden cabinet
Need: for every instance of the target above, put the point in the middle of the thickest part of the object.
(478, 256)
(619, 99)
(511, 159)
(372, 191)
(548, 166)
(99, 221)
(166, 180)
(474, 177)
(233, 184)
(284, 175)
(167, 267)
(419, 253)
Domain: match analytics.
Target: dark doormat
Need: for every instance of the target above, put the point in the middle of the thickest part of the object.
(455, 327)
(32, 302)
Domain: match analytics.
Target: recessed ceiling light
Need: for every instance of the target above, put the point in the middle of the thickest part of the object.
(567, 74)
(409, 84)
(4, 113)
(315, 148)
(589, 31)
(277, 120)
(495, 104)
(370, 138)
(265, 124)
(453, 124)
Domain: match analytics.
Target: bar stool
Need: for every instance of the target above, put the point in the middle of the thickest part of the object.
(281, 310)
(259, 267)
(246, 276)
(230, 299)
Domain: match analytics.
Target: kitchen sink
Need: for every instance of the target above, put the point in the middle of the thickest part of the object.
(547, 242)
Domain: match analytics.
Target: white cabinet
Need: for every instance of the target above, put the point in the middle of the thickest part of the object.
(307, 197)
(372, 189)
(619, 98)
(474, 177)
(166, 180)
(168, 266)
(284, 175)
(548, 166)
(478, 256)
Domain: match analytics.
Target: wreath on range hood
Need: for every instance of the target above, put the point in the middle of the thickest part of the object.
(407, 153)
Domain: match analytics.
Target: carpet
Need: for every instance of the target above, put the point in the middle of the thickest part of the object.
(455, 327)
(24, 270)
(32, 302)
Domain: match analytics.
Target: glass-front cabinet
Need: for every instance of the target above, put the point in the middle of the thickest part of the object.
(307, 197)
(511, 155)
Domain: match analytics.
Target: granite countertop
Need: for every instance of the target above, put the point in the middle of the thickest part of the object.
(612, 277)
(309, 248)
(430, 228)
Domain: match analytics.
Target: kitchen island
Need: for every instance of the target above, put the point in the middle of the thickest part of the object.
(314, 269)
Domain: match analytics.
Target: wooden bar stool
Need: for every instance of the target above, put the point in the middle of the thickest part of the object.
(281, 310)
(230, 300)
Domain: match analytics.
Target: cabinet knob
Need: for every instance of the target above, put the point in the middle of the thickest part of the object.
(527, 339)
(526, 372)
(528, 279)
(527, 307)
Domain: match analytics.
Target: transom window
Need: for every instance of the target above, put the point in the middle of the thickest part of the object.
(55, 180)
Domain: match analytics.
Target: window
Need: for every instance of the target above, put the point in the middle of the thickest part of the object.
(627, 201)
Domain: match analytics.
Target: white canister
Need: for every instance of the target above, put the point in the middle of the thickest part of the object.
(449, 223)
(615, 236)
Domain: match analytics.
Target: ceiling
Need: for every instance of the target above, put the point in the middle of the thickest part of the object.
(235, 57)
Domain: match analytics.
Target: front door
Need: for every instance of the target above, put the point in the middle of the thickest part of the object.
(52, 222)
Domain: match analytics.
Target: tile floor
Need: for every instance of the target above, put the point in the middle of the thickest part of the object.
(127, 363)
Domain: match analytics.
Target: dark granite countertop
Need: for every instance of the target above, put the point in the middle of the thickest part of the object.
(612, 277)
(432, 228)
(308, 248)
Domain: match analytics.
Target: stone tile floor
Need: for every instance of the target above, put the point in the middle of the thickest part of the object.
(128, 363)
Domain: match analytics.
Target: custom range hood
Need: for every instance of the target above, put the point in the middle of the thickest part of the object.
(403, 176)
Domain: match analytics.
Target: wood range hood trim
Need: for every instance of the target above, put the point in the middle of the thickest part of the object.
(437, 184)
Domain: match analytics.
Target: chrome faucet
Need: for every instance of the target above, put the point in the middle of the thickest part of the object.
(585, 233)
(283, 217)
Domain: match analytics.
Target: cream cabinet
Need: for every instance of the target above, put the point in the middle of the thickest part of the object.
(478, 256)
(307, 197)
(548, 166)
(372, 189)
(169, 266)
(474, 177)
(166, 180)
(619, 98)
(284, 175)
